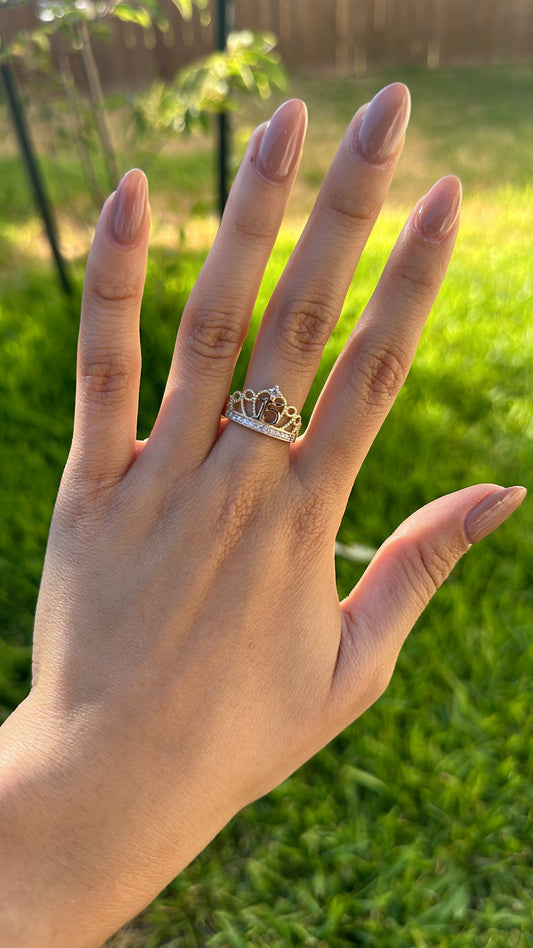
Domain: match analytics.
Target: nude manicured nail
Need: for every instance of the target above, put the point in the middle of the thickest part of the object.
(384, 123)
(439, 209)
(128, 210)
(492, 512)
(282, 141)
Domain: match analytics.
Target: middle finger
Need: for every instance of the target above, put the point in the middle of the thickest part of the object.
(309, 297)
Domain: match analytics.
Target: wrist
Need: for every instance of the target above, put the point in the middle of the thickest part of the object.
(86, 842)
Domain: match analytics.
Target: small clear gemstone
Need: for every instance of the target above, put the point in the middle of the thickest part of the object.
(269, 430)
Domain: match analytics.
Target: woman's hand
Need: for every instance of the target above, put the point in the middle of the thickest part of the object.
(190, 648)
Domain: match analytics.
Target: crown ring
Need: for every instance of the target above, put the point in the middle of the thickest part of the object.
(266, 411)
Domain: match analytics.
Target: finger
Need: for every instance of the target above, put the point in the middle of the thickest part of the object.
(308, 300)
(109, 359)
(400, 581)
(376, 359)
(217, 315)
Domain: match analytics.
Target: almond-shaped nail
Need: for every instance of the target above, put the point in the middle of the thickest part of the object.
(378, 136)
(282, 141)
(492, 512)
(439, 210)
(128, 210)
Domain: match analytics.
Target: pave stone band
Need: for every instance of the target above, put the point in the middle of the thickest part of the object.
(266, 412)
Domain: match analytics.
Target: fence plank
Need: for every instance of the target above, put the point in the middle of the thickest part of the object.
(324, 36)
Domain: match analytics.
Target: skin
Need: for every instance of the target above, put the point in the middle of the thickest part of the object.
(176, 678)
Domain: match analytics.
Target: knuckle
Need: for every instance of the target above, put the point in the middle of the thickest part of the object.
(112, 292)
(311, 516)
(93, 501)
(214, 337)
(412, 282)
(304, 328)
(82, 506)
(252, 228)
(382, 372)
(108, 377)
(347, 210)
(437, 564)
(243, 511)
(235, 512)
(424, 567)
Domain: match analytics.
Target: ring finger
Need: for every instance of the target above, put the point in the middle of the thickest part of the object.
(308, 299)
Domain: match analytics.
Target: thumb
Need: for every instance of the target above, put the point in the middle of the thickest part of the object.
(402, 578)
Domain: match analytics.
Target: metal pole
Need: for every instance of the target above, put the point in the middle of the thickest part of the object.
(23, 135)
(225, 24)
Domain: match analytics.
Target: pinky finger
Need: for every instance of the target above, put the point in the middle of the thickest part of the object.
(402, 578)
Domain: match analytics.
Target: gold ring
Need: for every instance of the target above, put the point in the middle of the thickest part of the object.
(266, 412)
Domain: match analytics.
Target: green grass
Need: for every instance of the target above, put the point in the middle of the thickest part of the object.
(413, 828)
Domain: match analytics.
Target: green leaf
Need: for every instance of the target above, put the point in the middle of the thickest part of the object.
(364, 779)
(129, 14)
(184, 7)
(249, 65)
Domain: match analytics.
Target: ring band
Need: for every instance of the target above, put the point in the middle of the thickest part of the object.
(266, 412)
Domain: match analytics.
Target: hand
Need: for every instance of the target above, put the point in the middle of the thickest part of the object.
(190, 648)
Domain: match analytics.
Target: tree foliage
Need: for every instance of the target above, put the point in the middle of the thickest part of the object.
(250, 65)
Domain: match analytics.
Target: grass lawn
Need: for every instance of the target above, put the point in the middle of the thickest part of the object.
(414, 827)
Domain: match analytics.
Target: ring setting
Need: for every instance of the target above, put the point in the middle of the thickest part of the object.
(266, 412)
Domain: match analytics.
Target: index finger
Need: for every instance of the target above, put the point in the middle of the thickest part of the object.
(109, 357)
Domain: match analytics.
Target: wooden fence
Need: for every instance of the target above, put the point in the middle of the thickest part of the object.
(322, 37)
(346, 36)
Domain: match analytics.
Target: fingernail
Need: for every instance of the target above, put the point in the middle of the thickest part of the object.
(384, 123)
(128, 210)
(492, 512)
(282, 141)
(439, 209)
